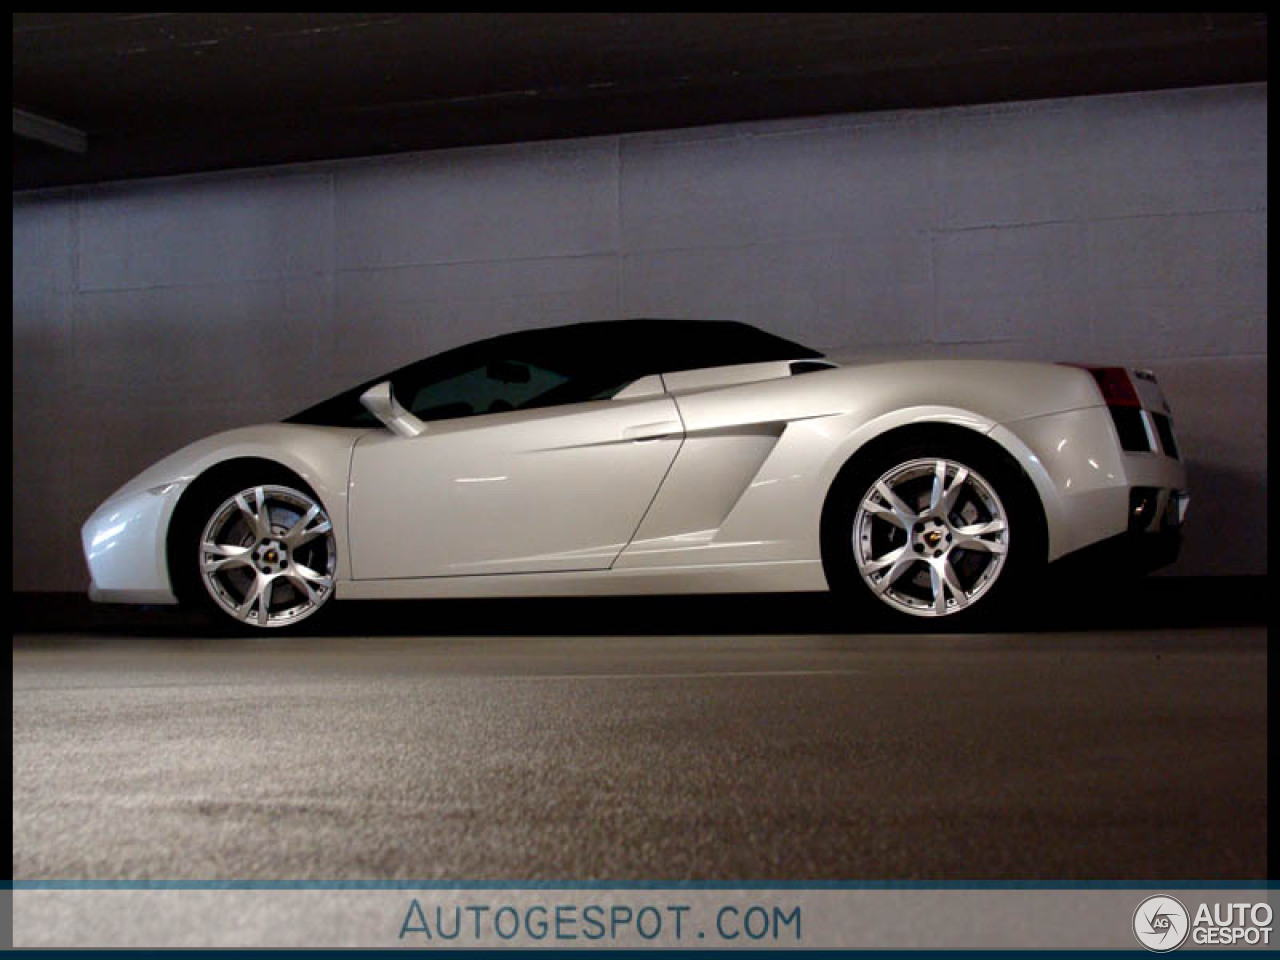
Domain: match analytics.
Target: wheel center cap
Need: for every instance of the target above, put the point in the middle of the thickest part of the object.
(271, 556)
(932, 539)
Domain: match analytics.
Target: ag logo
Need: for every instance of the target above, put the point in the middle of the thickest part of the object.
(1161, 923)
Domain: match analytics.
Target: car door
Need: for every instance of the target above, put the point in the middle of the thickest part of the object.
(550, 488)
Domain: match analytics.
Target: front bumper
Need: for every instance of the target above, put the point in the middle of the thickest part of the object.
(124, 547)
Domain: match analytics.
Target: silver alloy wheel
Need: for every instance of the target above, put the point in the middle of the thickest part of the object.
(930, 537)
(267, 556)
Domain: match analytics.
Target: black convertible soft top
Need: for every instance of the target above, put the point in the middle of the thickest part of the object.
(608, 351)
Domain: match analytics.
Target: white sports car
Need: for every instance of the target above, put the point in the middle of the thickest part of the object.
(655, 457)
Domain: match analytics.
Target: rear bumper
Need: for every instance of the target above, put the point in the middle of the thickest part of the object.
(1151, 542)
(1086, 481)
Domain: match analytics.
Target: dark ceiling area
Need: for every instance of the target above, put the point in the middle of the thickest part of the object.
(110, 96)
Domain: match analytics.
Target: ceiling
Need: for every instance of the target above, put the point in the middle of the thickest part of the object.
(168, 93)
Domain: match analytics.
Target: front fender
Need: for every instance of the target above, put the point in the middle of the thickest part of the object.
(125, 538)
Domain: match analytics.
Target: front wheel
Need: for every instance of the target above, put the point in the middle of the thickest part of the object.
(934, 530)
(267, 556)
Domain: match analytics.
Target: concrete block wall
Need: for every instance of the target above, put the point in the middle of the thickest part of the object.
(1125, 228)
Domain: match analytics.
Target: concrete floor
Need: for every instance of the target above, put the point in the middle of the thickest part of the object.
(455, 742)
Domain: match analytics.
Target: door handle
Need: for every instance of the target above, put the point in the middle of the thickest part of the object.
(652, 431)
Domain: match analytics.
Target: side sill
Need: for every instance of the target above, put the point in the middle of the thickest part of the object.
(795, 576)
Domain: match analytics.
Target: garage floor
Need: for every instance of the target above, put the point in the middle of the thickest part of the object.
(750, 738)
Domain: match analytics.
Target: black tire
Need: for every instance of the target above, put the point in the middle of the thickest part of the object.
(894, 567)
(293, 567)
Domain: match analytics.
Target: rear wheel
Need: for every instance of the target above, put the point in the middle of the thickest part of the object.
(932, 530)
(266, 555)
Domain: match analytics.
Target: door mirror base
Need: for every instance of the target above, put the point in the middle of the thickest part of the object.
(381, 402)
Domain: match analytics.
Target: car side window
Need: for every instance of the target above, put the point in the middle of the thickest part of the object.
(493, 387)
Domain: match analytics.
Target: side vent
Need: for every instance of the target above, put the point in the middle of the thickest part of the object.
(1131, 429)
(1165, 428)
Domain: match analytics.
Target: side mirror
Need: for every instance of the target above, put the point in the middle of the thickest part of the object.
(381, 402)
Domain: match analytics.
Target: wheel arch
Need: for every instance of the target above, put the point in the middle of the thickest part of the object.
(187, 511)
(917, 433)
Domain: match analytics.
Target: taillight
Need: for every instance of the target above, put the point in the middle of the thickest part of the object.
(1117, 389)
(1132, 423)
